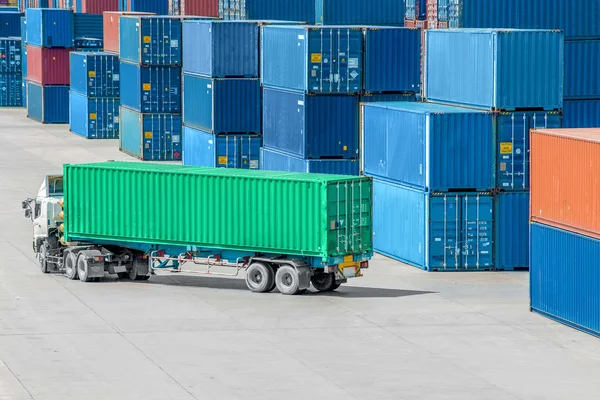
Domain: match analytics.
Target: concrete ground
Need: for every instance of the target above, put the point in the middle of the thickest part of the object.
(397, 333)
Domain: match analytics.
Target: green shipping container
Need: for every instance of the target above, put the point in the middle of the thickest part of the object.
(267, 212)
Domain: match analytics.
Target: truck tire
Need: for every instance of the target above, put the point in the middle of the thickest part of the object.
(287, 280)
(323, 282)
(42, 257)
(134, 273)
(260, 277)
(83, 269)
(71, 265)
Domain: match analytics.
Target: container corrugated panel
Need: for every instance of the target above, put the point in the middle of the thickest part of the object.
(312, 59)
(88, 26)
(24, 46)
(94, 118)
(581, 114)
(95, 74)
(276, 161)
(48, 66)
(310, 126)
(150, 40)
(582, 63)
(265, 211)
(290, 10)
(435, 232)
(382, 97)
(160, 7)
(11, 93)
(429, 146)
(221, 49)
(151, 89)
(565, 165)
(565, 278)
(577, 18)
(203, 149)
(50, 27)
(10, 55)
(48, 104)
(111, 30)
(495, 69)
(10, 23)
(151, 137)
(222, 105)
(205, 8)
(359, 12)
(98, 6)
(24, 92)
(392, 60)
(512, 149)
(511, 230)
(410, 9)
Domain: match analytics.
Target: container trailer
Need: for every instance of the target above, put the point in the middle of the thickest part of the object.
(285, 230)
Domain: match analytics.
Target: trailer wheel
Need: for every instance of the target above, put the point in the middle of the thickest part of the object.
(42, 257)
(324, 282)
(287, 280)
(71, 266)
(83, 269)
(134, 273)
(260, 277)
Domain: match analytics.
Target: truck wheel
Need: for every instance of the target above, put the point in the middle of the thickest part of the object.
(71, 266)
(42, 257)
(82, 269)
(287, 280)
(323, 282)
(260, 277)
(133, 273)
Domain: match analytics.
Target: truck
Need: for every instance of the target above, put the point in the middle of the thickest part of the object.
(135, 220)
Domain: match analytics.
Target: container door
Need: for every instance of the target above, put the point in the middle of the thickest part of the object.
(348, 77)
(513, 140)
(227, 153)
(477, 231)
(250, 152)
(320, 57)
(444, 232)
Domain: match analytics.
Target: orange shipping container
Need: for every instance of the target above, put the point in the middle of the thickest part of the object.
(111, 29)
(565, 179)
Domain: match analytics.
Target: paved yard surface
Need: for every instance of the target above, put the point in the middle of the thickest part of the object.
(398, 333)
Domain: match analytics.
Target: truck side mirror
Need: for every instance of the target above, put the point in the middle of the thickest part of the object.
(27, 213)
(24, 204)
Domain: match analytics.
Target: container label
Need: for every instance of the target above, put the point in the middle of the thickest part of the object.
(148, 135)
(222, 160)
(353, 63)
(209, 86)
(146, 86)
(175, 139)
(253, 164)
(116, 119)
(316, 57)
(147, 39)
(174, 43)
(300, 102)
(116, 77)
(92, 74)
(92, 116)
(300, 37)
(506, 148)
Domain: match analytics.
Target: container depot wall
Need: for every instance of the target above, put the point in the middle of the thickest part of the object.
(95, 74)
(49, 27)
(297, 58)
(429, 146)
(48, 104)
(310, 126)
(582, 63)
(565, 278)
(276, 161)
(222, 105)
(499, 70)
(93, 118)
(275, 212)
(511, 231)
(203, 149)
(150, 40)
(581, 114)
(150, 137)
(151, 89)
(111, 30)
(563, 192)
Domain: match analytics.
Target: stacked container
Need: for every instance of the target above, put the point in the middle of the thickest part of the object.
(222, 97)
(24, 60)
(11, 72)
(565, 226)
(49, 41)
(150, 77)
(94, 96)
(88, 31)
(160, 7)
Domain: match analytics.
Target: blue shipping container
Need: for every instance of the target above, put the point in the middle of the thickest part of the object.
(95, 74)
(203, 149)
(429, 146)
(359, 12)
(221, 49)
(150, 137)
(565, 278)
(222, 105)
(582, 67)
(309, 126)
(151, 89)
(24, 46)
(581, 114)
(392, 60)
(48, 104)
(150, 40)
(577, 18)
(435, 232)
(10, 55)
(312, 59)
(276, 161)
(495, 69)
(89, 43)
(289, 10)
(88, 26)
(10, 23)
(382, 97)
(511, 230)
(512, 150)
(50, 27)
(160, 7)
(94, 118)
(11, 93)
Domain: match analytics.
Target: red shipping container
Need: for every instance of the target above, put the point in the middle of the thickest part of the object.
(48, 66)
(111, 29)
(96, 6)
(201, 8)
